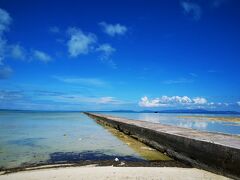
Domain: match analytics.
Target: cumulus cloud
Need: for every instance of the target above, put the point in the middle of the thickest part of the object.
(17, 52)
(107, 50)
(145, 102)
(165, 101)
(2, 49)
(41, 56)
(192, 9)
(200, 100)
(14, 51)
(5, 21)
(5, 72)
(113, 29)
(175, 99)
(80, 42)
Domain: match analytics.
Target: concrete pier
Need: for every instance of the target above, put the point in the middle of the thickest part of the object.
(216, 152)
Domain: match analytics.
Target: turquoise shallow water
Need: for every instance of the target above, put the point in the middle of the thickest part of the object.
(38, 137)
(35, 138)
(203, 123)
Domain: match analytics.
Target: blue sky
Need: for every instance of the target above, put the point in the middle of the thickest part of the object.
(108, 55)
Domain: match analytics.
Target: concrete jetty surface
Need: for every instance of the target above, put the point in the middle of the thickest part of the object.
(216, 152)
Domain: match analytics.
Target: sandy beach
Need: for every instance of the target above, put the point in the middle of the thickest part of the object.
(102, 173)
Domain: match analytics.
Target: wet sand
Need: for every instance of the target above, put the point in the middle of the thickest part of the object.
(102, 173)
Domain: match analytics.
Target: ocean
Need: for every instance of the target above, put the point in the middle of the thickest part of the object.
(40, 138)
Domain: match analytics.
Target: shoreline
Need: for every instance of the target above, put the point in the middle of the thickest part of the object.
(95, 163)
(109, 172)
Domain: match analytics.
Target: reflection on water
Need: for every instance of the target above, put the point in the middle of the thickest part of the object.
(51, 137)
(194, 125)
(32, 137)
(212, 123)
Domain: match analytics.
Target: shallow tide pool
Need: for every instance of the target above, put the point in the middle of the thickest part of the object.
(32, 138)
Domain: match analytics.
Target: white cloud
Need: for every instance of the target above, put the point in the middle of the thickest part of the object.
(79, 42)
(226, 104)
(17, 52)
(175, 99)
(83, 81)
(165, 101)
(5, 72)
(145, 102)
(8, 50)
(113, 29)
(107, 50)
(200, 100)
(5, 21)
(2, 49)
(238, 103)
(192, 9)
(41, 56)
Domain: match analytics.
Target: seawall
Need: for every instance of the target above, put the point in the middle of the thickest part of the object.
(216, 152)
